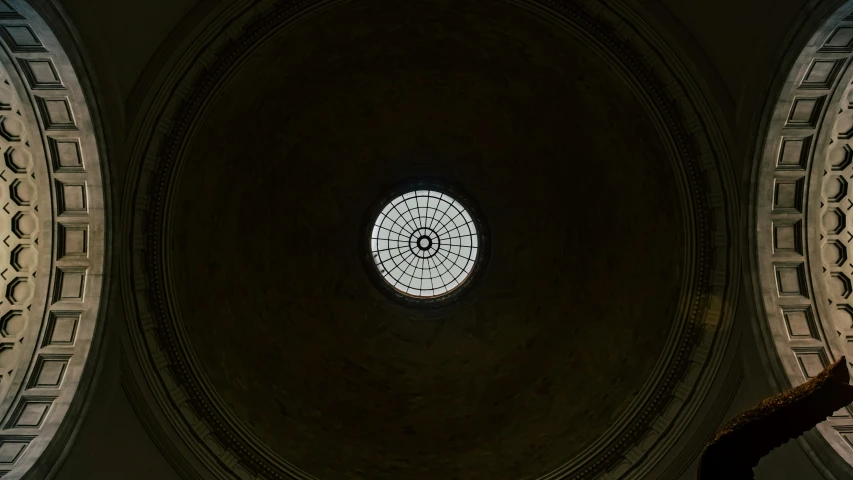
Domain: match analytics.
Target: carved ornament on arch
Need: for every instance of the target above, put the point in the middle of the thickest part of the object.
(44, 356)
(803, 229)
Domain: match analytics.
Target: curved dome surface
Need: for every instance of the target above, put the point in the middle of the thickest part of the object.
(582, 346)
(583, 279)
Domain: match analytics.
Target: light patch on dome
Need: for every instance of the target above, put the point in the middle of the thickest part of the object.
(424, 243)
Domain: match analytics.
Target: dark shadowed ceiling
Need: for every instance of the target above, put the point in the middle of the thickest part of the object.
(581, 285)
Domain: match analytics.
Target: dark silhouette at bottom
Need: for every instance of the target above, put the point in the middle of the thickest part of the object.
(739, 445)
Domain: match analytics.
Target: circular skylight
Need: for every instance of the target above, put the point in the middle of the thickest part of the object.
(424, 243)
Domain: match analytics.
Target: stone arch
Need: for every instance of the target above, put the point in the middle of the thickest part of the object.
(799, 231)
(54, 242)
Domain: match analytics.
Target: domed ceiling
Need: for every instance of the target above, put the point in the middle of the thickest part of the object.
(587, 284)
(583, 278)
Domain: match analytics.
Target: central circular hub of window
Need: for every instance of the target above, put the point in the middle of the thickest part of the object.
(425, 244)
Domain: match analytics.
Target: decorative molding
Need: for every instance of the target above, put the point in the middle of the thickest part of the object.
(20, 37)
(41, 74)
(44, 344)
(653, 422)
(802, 234)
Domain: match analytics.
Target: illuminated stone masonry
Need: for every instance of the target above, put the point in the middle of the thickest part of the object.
(51, 237)
(803, 219)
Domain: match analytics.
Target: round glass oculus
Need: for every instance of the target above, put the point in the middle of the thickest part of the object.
(424, 244)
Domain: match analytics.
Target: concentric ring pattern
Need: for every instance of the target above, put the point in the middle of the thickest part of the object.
(484, 388)
(424, 243)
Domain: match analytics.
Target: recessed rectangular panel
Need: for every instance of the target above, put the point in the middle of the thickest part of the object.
(821, 74)
(41, 74)
(839, 41)
(66, 155)
(72, 198)
(72, 240)
(788, 195)
(21, 38)
(49, 371)
(56, 113)
(812, 361)
(846, 433)
(804, 112)
(800, 322)
(794, 153)
(12, 447)
(70, 284)
(791, 279)
(7, 12)
(61, 328)
(30, 412)
(788, 237)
